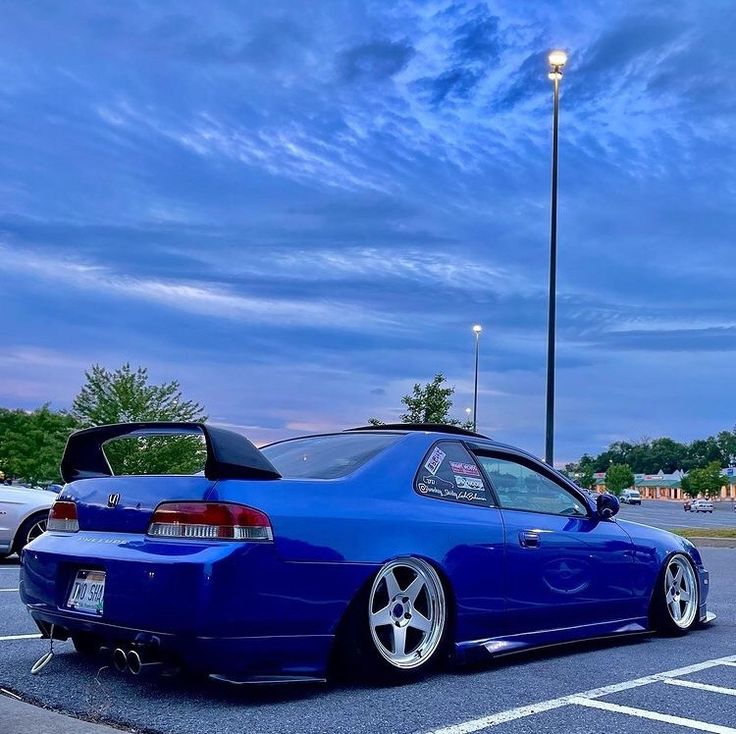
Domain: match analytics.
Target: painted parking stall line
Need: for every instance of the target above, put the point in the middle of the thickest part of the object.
(8, 590)
(651, 715)
(590, 697)
(701, 686)
(6, 638)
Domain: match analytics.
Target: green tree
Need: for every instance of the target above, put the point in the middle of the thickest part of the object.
(429, 403)
(618, 478)
(32, 442)
(125, 395)
(707, 480)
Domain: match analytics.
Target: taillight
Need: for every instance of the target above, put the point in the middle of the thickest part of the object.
(209, 521)
(63, 516)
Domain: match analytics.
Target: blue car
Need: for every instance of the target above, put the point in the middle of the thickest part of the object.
(388, 549)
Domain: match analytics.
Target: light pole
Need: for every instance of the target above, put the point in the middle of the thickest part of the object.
(476, 330)
(557, 60)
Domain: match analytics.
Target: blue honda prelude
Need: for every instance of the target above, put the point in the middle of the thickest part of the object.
(384, 550)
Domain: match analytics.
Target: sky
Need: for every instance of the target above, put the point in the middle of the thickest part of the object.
(299, 209)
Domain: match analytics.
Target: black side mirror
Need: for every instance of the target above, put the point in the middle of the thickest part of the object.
(607, 505)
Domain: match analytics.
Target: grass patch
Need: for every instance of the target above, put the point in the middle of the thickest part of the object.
(705, 532)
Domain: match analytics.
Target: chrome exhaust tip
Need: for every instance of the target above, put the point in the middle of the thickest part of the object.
(140, 666)
(134, 662)
(119, 660)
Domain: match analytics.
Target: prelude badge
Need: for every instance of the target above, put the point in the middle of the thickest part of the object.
(112, 500)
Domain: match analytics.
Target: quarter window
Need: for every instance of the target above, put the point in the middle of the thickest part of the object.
(449, 472)
(520, 488)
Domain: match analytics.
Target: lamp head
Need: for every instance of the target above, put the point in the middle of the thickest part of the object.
(557, 60)
(477, 329)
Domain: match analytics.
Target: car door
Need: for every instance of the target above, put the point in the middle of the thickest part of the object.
(463, 530)
(566, 567)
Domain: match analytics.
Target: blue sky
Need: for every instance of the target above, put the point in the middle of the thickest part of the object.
(298, 209)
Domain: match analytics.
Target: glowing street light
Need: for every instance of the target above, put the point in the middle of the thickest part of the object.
(557, 60)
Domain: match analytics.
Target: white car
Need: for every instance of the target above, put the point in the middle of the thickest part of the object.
(23, 514)
(701, 506)
(631, 497)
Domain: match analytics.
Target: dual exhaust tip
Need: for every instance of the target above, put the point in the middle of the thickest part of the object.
(132, 662)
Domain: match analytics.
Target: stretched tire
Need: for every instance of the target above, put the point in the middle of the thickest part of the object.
(31, 528)
(399, 625)
(676, 597)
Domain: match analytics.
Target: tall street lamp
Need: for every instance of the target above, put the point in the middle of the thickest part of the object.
(476, 330)
(557, 61)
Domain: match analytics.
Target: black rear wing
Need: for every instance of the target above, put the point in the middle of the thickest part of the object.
(229, 455)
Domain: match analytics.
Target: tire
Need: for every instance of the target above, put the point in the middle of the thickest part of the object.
(31, 528)
(400, 624)
(676, 597)
(86, 644)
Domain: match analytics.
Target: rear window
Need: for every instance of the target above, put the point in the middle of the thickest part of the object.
(327, 457)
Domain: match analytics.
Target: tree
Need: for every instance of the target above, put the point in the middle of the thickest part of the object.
(618, 478)
(429, 403)
(707, 480)
(32, 442)
(125, 395)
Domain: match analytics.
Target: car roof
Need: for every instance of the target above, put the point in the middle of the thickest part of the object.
(422, 427)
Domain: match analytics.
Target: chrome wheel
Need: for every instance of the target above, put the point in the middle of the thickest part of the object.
(407, 612)
(35, 530)
(681, 592)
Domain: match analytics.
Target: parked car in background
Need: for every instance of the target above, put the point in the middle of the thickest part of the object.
(631, 497)
(701, 506)
(23, 515)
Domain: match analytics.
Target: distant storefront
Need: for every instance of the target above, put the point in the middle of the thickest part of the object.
(663, 486)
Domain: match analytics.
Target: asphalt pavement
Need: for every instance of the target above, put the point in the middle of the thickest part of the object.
(652, 684)
(668, 514)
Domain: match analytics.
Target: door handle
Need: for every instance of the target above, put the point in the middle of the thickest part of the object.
(528, 539)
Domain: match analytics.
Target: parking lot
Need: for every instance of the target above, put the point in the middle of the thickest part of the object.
(667, 514)
(648, 683)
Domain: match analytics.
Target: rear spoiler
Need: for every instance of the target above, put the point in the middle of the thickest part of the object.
(229, 455)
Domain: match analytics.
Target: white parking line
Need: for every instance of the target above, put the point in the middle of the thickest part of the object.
(484, 722)
(700, 686)
(37, 636)
(652, 715)
(1, 590)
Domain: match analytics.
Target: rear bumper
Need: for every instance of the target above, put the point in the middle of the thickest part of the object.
(234, 609)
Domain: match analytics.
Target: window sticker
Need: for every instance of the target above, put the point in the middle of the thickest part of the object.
(432, 464)
(468, 482)
(459, 467)
(458, 479)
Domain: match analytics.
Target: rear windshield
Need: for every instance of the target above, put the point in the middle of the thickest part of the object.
(327, 457)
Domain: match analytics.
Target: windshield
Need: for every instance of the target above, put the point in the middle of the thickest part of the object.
(327, 457)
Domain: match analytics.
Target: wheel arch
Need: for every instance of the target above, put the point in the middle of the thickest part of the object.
(346, 624)
(37, 512)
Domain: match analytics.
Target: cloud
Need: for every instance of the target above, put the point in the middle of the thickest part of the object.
(374, 61)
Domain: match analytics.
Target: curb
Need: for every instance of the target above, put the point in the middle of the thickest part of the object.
(19, 717)
(713, 542)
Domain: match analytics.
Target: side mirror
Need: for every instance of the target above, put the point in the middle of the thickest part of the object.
(607, 505)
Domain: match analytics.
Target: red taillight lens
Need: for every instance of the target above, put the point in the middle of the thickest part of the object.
(63, 517)
(209, 521)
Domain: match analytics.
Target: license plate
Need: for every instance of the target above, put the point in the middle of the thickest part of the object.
(88, 592)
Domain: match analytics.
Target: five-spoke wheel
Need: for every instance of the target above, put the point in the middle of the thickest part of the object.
(677, 598)
(407, 613)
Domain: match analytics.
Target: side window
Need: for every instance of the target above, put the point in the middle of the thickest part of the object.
(449, 472)
(520, 488)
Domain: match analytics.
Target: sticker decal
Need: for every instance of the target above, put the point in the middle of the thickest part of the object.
(469, 482)
(435, 460)
(460, 467)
